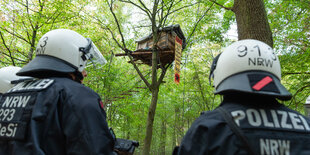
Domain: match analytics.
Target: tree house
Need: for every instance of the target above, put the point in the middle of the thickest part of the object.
(165, 45)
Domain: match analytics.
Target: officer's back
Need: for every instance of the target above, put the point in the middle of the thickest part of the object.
(250, 120)
(54, 113)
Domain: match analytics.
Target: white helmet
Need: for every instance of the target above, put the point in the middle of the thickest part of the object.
(307, 106)
(62, 51)
(248, 66)
(7, 75)
(308, 100)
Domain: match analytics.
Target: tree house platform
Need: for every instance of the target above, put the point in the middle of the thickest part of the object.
(165, 46)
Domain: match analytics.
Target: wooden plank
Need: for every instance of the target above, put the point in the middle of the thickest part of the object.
(162, 42)
(136, 91)
(149, 52)
(126, 94)
(142, 52)
(118, 97)
(141, 87)
(120, 54)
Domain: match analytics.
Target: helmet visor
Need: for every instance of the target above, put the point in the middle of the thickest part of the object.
(96, 56)
(93, 54)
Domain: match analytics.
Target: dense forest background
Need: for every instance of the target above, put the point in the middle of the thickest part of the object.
(115, 25)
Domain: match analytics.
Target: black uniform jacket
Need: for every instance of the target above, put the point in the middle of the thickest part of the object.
(53, 116)
(270, 128)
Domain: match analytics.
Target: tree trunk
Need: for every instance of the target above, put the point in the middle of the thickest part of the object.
(150, 120)
(196, 77)
(33, 41)
(174, 130)
(252, 22)
(152, 108)
(179, 126)
(128, 129)
(162, 145)
(154, 89)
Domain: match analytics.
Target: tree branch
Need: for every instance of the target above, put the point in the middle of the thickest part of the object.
(294, 73)
(17, 35)
(144, 9)
(186, 6)
(142, 26)
(117, 23)
(10, 53)
(11, 58)
(24, 5)
(221, 5)
(123, 47)
(168, 12)
(139, 72)
(22, 53)
(27, 33)
(148, 11)
(163, 73)
(196, 24)
(200, 87)
(28, 14)
(113, 37)
(298, 91)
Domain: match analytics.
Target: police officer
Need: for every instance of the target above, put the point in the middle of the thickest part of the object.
(55, 113)
(249, 120)
(7, 78)
(307, 107)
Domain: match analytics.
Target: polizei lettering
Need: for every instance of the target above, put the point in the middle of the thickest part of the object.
(271, 119)
(32, 85)
(274, 146)
(260, 62)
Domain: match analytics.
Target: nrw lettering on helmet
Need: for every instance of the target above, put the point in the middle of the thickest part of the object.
(243, 50)
(42, 46)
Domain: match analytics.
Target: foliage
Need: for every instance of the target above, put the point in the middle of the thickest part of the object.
(290, 22)
(22, 22)
(124, 94)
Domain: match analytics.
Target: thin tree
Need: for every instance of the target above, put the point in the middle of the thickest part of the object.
(23, 21)
(252, 22)
(158, 16)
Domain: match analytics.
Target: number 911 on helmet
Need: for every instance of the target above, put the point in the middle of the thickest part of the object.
(248, 66)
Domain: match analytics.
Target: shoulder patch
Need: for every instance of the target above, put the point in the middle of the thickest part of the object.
(101, 104)
(32, 85)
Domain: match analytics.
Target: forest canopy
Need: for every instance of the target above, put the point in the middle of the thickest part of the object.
(115, 26)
